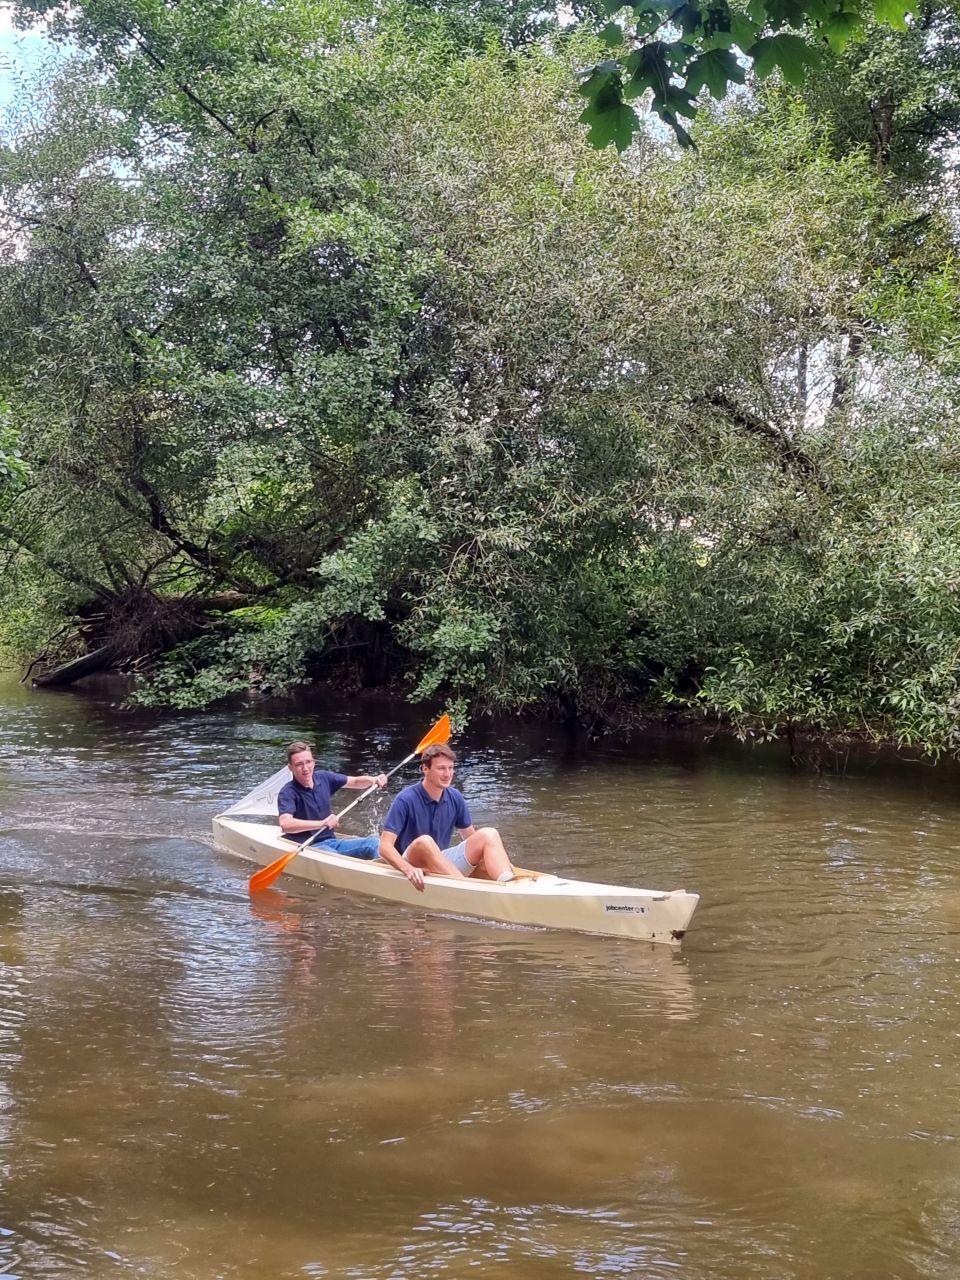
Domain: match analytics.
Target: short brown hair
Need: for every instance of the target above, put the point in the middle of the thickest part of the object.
(296, 747)
(438, 749)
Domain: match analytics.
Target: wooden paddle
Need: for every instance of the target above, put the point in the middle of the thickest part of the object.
(266, 875)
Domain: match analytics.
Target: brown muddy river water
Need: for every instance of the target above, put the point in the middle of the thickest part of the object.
(318, 1085)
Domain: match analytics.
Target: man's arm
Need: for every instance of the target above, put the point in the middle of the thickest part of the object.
(360, 781)
(289, 824)
(389, 854)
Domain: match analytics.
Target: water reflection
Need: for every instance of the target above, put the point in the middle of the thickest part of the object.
(449, 967)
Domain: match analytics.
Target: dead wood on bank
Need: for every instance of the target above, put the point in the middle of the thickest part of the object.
(130, 628)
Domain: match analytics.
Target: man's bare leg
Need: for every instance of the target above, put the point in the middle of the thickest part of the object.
(425, 853)
(485, 848)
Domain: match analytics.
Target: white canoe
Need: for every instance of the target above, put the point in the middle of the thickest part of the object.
(542, 901)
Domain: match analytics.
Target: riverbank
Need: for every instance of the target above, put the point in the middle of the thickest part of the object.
(668, 730)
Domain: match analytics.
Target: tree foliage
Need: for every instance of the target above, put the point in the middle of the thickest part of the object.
(327, 348)
(897, 95)
(666, 53)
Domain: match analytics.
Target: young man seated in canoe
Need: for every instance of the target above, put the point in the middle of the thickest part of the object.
(304, 804)
(418, 829)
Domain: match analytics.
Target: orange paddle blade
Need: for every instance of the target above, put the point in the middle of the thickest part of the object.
(439, 733)
(266, 875)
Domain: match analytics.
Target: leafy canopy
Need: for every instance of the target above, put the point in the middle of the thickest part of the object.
(347, 340)
(673, 51)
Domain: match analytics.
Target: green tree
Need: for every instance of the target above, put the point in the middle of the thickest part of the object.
(669, 53)
(648, 426)
(897, 94)
(366, 342)
(206, 318)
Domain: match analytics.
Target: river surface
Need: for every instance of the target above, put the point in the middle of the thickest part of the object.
(193, 1085)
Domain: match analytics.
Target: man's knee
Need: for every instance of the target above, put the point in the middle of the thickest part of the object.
(423, 846)
(488, 834)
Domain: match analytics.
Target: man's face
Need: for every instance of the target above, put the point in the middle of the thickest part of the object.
(439, 772)
(301, 766)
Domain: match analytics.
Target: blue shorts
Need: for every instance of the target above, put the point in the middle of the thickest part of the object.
(458, 856)
(353, 846)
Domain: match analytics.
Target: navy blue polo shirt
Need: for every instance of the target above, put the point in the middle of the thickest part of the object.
(414, 814)
(310, 804)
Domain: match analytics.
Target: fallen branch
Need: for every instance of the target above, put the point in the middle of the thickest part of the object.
(68, 672)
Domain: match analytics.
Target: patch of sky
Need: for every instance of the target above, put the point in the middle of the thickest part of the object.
(23, 56)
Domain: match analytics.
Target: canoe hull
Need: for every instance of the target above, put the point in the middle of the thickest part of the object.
(541, 902)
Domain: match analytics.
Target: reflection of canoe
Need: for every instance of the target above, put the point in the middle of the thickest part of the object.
(540, 901)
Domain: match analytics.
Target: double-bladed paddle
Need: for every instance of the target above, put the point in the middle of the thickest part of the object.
(266, 875)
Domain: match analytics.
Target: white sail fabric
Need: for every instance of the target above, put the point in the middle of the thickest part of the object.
(262, 800)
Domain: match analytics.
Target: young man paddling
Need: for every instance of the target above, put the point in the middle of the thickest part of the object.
(304, 804)
(419, 827)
